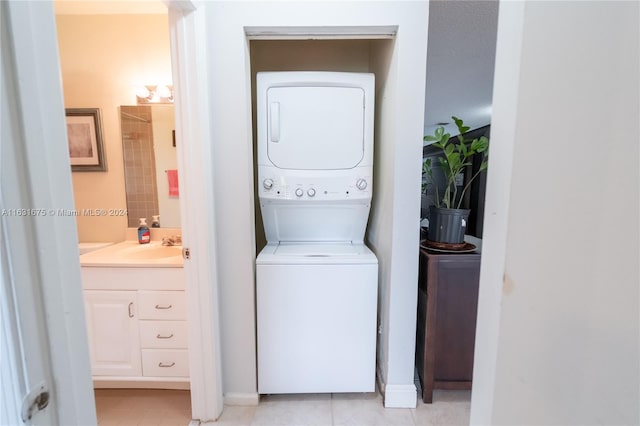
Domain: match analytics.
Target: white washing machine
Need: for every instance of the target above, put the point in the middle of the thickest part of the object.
(316, 279)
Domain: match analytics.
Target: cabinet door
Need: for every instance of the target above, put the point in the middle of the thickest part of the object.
(112, 325)
(457, 306)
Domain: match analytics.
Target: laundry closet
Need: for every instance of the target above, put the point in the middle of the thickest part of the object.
(316, 280)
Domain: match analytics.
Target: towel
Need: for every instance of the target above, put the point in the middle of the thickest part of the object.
(172, 175)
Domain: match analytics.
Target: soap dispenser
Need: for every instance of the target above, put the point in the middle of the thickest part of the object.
(155, 221)
(144, 235)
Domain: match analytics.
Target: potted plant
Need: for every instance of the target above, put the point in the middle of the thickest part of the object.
(447, 221)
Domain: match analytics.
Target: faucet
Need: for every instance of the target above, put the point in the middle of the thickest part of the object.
(174, 240)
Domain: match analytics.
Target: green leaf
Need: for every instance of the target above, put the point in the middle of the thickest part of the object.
(455, 163)
(448, 150)
(430, 138)
(461, 127)
(463, 149)
(483, 144)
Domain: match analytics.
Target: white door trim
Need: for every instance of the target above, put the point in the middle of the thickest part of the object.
(47, 297)
(496, 218)
(188, 55)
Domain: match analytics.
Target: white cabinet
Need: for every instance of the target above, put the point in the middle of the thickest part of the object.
(113, 329)
(137, 327)
(163, 335)
(162, 305)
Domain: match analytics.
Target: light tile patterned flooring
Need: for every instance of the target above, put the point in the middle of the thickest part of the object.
(164, 407)
(131, 407)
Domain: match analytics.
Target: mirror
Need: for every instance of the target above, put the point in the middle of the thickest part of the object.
(150, 165)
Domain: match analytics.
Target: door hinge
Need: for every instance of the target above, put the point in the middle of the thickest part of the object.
(186, 253)
(36, 400)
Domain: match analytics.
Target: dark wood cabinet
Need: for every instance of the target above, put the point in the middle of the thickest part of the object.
(447, 308)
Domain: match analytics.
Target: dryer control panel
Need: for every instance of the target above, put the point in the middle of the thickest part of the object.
(309, 188)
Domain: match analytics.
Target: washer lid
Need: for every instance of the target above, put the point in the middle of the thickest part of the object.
(318, 250)
(316, 253)
(315, 127)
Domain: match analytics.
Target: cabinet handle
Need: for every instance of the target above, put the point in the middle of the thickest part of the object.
(164, 337)
(130, 311)
(164, 307)
(160, 364)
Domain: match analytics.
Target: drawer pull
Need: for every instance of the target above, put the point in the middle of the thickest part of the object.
(160, 364)
(164, 307)
(130, 311)
(164, 337)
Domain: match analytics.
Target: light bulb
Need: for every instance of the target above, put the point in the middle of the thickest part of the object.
(142, 92)
(163, 91)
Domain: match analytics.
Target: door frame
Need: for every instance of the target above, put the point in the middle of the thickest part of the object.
(44, 333)
(39, 117)
(193, 148)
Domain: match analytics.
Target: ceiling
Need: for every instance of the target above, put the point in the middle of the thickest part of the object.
(460, 54)
(460, 60)
(109, 7)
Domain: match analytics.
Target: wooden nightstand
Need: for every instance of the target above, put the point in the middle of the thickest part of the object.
(447, 308)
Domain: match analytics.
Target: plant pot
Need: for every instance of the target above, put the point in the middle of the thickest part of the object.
(447, 225)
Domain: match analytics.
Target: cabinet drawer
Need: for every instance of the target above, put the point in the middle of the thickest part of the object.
(163, 334)
(165, 363)
(162, 305)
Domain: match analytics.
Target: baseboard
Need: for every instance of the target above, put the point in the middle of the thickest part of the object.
(237, 398)
(140, 383)
(396, 396)
(400, 396)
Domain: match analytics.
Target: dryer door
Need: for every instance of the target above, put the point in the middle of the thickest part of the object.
(315, 128)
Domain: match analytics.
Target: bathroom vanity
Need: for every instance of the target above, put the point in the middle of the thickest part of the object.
(136, 316)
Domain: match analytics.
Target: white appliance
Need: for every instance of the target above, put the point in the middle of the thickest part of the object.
(316, 280)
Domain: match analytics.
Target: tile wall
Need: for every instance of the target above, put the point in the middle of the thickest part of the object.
(139, 163)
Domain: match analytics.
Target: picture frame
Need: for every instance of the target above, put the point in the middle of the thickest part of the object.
(86, 146)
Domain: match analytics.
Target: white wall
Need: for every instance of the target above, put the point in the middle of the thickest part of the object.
(394, 226)
(567, 346)
(163, 122)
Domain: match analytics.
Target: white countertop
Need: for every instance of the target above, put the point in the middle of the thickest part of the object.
(131, 254)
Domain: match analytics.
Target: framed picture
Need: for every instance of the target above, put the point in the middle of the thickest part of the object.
(84, 130)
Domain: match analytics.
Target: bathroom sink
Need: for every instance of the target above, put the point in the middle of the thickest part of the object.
(130, 254)
(150, 251)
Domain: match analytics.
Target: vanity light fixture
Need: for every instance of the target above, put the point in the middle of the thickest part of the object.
(160, 94)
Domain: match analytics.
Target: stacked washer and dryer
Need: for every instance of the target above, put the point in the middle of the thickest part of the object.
(316, 279)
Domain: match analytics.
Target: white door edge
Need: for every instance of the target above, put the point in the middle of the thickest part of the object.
(49, 333)
(197, 212)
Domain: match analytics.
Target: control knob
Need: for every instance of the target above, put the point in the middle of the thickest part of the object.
(361, 184)
(311, 192)
(267, 183)
(299, 192)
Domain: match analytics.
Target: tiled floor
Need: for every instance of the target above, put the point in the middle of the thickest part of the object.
(131, 407)
(156, 407)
